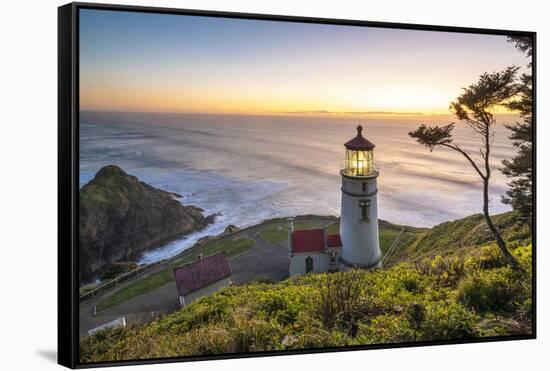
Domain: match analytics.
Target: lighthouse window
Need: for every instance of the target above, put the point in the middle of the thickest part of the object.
(365, 209)
(359, 162)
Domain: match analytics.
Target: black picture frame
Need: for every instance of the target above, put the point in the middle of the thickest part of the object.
(68, 170)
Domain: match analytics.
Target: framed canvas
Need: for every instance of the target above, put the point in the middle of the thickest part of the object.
(241, 185)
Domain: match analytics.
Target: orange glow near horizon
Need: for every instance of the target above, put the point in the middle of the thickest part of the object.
(231, 66)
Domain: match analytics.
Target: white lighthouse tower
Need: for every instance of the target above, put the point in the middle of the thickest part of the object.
(359, 213)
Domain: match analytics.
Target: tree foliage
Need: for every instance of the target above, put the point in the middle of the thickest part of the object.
(474, 108)
(520, 168)
(523, 44)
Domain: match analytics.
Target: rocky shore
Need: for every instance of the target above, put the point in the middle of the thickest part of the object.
(121, 217)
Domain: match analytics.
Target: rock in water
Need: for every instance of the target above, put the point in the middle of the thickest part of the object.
(121, 217)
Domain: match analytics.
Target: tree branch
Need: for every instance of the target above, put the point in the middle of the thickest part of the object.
(465, 154)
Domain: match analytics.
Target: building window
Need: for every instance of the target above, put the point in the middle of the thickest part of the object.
(333, 256)
(364, 187)
(309, 264)
(365, 209)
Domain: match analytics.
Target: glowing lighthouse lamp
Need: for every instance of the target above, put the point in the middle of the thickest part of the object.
(359, 212)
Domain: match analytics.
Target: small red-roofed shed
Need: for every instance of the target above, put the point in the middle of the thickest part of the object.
(202, 277)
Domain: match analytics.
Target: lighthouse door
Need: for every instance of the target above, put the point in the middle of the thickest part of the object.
(309, 264)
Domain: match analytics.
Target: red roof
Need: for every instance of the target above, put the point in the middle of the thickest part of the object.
(311, 240)
(333, 240)
(359, 143)
(201, 273)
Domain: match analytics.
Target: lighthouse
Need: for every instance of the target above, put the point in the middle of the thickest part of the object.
(359, 211)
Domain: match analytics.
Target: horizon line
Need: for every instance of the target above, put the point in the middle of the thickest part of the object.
(283, 113)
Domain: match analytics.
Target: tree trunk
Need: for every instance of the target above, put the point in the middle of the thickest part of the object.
(509, 258)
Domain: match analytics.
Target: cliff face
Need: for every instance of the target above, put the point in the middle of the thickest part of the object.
(121, 217)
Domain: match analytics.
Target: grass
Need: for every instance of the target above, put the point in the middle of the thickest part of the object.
(471, 295)
(459, 236)
(386, 233)
(139, 288)
(333, 228)
(278, 231)
(231, 247)
(450, 238)
(386, 237)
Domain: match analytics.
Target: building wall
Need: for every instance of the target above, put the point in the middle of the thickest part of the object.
(360, 242)
(321, 263)
(187, 299)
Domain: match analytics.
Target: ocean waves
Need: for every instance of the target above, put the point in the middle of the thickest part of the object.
(252, 168)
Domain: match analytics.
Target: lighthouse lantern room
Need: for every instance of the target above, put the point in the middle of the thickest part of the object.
(359, 212)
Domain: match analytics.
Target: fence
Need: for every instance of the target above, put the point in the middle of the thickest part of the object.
(119, 279)
(393, 247)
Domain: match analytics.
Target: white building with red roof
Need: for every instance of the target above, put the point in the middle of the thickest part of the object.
(357, 244)
(313, 250)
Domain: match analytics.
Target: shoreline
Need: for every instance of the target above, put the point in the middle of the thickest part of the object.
(200, 243)
(149, 267)
(211, 238)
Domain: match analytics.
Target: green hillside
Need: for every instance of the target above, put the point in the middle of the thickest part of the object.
(435, 295)
(457, 237)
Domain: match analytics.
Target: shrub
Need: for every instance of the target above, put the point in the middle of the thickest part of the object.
(386, 328)
(436, 299)
(275, 306)
(446, 320)
(339, 298)
(209, 339)
(490, 257)
(415, 314)
(313, 334)
(524, 255)
(494, 290)
(447, 271)
(502, 326)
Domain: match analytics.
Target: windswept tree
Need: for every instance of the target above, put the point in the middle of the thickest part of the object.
(520, 168)
(474, 108)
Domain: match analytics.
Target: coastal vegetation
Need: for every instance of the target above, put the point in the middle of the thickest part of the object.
(458, 288)
(458, 237)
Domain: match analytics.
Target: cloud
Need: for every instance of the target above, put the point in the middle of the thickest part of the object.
(325, 112)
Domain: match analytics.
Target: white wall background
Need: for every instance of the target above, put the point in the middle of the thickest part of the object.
(28, 151)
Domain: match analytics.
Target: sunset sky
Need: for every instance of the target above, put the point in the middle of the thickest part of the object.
(172, 63)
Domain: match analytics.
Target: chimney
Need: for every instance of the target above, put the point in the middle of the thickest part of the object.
(290, 231)
(325, 237)
(200, 257)
(290, 224)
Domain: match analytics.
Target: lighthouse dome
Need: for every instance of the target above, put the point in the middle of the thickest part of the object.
(359, 142)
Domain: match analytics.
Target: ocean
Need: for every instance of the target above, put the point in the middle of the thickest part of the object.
(251, 168)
